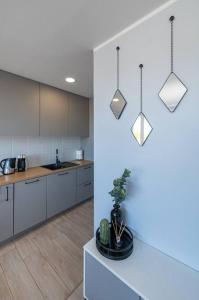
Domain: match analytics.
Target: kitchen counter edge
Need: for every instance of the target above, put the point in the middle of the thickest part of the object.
(35, 172)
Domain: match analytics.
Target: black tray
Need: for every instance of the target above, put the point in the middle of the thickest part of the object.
(111, 251)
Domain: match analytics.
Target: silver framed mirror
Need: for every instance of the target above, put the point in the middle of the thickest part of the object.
(141, 128)
(118, 102)
(173, 89)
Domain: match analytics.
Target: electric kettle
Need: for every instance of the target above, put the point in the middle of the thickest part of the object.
(8, 166)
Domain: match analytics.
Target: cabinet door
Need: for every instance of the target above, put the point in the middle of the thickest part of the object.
(61, 192)
(85, 174)
(78, 116)
(53, 111)
(85, 191)
(19, 102)
(6, 212)
(29, 203)
(101, 284)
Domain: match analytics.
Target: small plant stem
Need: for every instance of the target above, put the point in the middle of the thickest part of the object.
(122, 231)
(120, 227)
(114, 229)
(116, 226)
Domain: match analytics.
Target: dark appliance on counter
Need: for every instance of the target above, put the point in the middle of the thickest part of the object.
(8, 166)
(21, 163)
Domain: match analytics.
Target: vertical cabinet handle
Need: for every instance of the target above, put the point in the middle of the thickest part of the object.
(7, 196)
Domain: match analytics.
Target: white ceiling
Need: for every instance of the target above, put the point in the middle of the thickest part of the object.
(47, 40)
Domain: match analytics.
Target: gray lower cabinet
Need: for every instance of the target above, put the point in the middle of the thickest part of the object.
(84, 191)
(29, 203)
(101, 284)
(85, 183)
(61, 191)
(6, 212)
(19, 102)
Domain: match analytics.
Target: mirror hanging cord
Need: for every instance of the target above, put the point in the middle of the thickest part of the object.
(118, 65)
(171, 19)
(141, 67)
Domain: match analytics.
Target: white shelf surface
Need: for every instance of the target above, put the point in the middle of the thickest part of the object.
(152, 274)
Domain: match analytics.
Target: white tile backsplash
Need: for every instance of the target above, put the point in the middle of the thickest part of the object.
(39, 150)
(5, 147)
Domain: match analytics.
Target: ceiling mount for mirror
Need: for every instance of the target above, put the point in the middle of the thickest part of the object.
(173, 89)
(141, 128)
(118, 102)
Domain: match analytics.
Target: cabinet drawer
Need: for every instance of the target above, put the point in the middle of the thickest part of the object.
(29, 203)
(84, 191)
(85, 174)
(6, 212)
(101, 284)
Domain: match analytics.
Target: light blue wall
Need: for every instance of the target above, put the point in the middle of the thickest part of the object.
(163, 202)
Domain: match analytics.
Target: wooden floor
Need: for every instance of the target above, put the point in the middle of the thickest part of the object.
(47, 263)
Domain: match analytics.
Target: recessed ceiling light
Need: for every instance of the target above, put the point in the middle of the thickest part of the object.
(70, 79)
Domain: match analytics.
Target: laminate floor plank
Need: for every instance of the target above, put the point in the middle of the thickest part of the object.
(51, 286)
(26, 247)
(61, 240)
(62, 261)
(4, 249)
(75, 232)
(77, 294)
(47, 262)
(20, 281)
(5, 292)
(77, 236)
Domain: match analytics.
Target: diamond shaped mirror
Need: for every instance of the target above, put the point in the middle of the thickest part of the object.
(173, 89)
(141, 129)
(172, 92)
(118, 104)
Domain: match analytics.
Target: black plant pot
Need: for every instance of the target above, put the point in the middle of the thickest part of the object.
(116, 214)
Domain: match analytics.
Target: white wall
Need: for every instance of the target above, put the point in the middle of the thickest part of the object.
(39, 150)
(163, 202)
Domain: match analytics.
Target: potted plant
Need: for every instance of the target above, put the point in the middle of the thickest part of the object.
(119, 194)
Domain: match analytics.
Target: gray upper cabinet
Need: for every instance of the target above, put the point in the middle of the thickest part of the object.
(6, 212)
(78, 115)
(29, 108)
(19, 102)
(29, 203)
(53, 111)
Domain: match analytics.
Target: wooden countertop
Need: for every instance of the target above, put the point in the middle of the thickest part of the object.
(38, 172)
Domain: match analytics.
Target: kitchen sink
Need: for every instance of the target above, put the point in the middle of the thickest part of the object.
(63, 165)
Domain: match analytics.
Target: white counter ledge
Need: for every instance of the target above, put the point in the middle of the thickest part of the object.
(151, 274)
